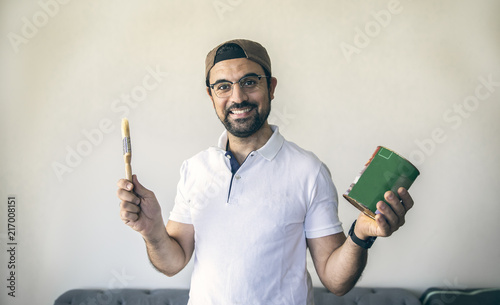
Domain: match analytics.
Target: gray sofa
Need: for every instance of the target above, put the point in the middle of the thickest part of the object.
(358, 296)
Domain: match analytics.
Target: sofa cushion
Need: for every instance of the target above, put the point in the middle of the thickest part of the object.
(124, 297)
(366, 296)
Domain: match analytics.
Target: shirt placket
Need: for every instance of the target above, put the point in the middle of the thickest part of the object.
(236, 176)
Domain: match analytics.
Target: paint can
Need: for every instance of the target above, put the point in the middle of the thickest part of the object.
(386, 170)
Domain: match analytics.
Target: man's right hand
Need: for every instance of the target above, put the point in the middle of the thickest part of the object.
(139, 209)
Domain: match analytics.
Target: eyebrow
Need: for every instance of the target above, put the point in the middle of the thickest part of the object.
(225, 80)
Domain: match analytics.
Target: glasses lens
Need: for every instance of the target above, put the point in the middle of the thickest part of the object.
(249, 83)
(223, 89)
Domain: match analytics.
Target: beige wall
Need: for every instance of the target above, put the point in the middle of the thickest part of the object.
(420, 77)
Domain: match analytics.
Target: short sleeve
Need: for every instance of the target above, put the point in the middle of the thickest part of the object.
(322, 215)
(181, 211)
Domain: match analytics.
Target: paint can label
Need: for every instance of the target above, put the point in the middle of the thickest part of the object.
(384, 171)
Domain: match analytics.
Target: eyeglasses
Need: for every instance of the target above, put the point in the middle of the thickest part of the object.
(248, 84)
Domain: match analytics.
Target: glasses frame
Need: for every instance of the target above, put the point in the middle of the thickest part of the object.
(236, 82)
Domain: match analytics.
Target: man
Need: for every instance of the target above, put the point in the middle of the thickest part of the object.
(249, 208)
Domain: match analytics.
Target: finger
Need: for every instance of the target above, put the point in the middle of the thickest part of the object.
(383, 227)
(140, 189)
(388, 215)
(128, 216)
(125, 184)
(405, 198)
(396, 206)
(129, 207)
(128, 196)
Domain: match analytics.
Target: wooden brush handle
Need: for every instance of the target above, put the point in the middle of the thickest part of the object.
(128, 172)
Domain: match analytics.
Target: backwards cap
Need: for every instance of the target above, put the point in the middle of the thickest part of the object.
(249, 49)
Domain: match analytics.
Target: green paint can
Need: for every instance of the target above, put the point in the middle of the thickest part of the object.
(386, 170)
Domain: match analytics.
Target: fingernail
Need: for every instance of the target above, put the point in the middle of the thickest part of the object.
(402, 191)
(129, 186)
(390, 196)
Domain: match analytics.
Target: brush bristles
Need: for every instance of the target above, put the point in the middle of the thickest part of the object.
(125, 128)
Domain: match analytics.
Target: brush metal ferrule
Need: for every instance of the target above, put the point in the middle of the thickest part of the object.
(127, 147)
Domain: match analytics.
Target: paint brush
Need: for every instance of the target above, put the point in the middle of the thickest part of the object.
(127, 149)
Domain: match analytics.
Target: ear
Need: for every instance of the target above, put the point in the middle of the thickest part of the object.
(211, 97)
(272, 87)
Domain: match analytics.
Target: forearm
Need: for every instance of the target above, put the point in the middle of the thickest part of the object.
(165, 253)
(169, 248)
(344, 267)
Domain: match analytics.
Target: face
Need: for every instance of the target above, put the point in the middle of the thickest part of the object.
(242, 113)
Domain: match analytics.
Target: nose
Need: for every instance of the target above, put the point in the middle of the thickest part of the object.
(238, 95)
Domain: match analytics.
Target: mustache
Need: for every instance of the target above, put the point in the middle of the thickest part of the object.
(243, 104)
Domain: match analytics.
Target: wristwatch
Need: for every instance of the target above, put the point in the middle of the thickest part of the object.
(365, 244)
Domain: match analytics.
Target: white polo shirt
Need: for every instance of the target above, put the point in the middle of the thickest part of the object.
(251, 226)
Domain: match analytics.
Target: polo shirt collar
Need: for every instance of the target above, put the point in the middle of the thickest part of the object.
(268, 151)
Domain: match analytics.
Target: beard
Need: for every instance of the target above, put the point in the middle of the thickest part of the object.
(243, 128)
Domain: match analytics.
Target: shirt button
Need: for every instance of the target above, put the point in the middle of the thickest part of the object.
(237, 176)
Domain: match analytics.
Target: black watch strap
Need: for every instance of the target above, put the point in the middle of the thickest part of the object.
(365, 244)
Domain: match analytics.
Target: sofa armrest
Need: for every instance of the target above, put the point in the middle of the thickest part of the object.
(480, 296)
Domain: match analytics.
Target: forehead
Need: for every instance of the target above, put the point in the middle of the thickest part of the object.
(234, 69)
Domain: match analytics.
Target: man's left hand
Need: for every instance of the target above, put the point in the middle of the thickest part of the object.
(391, 217)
